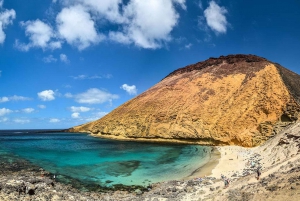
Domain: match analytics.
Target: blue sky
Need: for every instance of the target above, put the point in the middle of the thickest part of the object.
(67, 62)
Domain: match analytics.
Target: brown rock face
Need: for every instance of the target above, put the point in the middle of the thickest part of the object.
(235, 99)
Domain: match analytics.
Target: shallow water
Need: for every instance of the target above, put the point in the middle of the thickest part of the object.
(104, 162)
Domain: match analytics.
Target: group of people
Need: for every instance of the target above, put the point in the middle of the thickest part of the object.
(226, 181)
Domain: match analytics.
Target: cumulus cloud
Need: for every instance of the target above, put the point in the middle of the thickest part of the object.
(13, 98)
(47, 95)
(28, 110)
(6, 18)
(94, 96)
(54, 120)
(181, 3)
(75, 115)
(107, 9)
(41, 106)
(5, 111)
(80, 109)
(76, 26)
(49, 59)
(148, 24)
(64, 58)
(40, 36)
(131, 90)
(215, 17)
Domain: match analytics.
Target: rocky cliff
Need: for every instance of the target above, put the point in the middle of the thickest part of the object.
(235, 99)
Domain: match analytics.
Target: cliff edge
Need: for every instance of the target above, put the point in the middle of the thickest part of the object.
(231, 100)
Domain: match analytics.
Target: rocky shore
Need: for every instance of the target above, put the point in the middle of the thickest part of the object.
(279, 159)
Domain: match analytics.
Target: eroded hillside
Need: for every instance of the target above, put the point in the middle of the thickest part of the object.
(235, 99)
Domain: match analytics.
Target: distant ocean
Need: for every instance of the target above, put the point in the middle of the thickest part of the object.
(101, 161)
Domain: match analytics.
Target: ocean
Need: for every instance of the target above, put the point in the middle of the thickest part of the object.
(101, 161)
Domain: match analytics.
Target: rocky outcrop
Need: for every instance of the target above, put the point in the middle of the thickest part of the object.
(235, 99)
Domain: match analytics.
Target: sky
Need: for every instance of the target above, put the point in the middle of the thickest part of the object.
(67, 62)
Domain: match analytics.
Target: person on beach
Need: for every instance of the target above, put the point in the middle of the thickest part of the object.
(226, 182)
(258, 172)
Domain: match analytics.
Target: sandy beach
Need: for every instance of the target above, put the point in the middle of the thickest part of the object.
(278, 159)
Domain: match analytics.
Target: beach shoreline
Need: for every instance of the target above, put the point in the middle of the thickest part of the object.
(207, 168)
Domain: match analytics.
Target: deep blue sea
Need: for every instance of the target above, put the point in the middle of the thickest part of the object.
(101, 161)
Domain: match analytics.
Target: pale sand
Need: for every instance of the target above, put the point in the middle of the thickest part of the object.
(225, 160)
(206, 169)
(233, 160)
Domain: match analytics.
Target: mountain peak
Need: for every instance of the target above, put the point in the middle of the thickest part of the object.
(230, 59)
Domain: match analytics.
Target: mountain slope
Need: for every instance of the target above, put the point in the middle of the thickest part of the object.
(235, 99)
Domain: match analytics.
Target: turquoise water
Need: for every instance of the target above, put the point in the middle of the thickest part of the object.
(104, 162)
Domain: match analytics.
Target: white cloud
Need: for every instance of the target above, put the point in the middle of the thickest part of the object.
(68, 95)
(41, 106)
(5, 111)
(77, 27)
(19, 98)
(107, 9)
(6, 18)
(148, 24)
(131, 90)
(80, 109)
(54, 120)
(188, 46)
(49, 59)
(47, 95)
(21, 121)
(75, 115)
(87, 77)
(96, 116)
(3, 119)
(13, 98)
(4, 99)
(64, 58)
(181, 3)
(215, 17)
(200, 5)
(28, 110)
(95, 96)
(40, 36)
(120, 37)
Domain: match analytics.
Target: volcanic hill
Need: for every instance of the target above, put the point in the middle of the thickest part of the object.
(235, 99)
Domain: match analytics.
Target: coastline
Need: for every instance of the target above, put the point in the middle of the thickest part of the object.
(279, 159)
(207, 168)
(154, 140)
